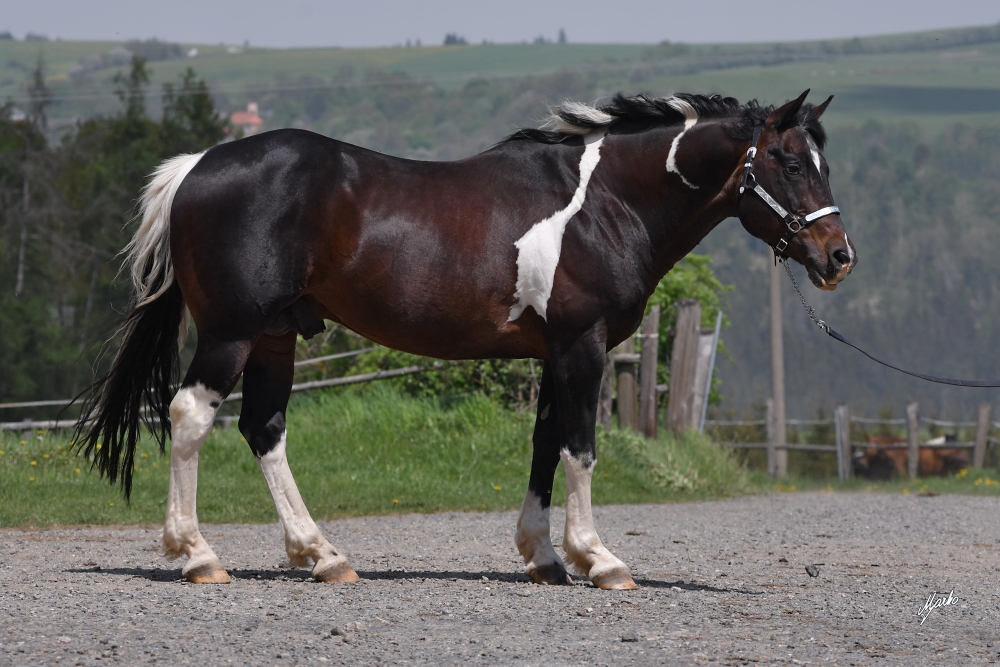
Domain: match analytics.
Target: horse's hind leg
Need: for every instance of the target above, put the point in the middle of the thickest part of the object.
(267, 382)
(577, 371)
(533, 538)
(212, 375)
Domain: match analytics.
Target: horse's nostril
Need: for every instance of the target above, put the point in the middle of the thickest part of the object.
(842, 257)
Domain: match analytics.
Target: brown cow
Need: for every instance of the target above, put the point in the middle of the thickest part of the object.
(884, 460)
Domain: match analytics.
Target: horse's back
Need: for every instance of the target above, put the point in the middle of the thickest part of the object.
(382, 243)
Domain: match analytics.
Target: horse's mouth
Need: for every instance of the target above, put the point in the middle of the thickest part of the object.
(832, 278)
(827, 284)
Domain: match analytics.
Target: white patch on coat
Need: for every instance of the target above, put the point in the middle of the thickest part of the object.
(192, 414)
(583, 547)
(148, 253)
(690, 118)
(303, 540)
(533, 538)
(814, 153)
(539, 249)
(850, 250)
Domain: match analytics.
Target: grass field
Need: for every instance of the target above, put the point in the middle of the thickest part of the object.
(362, 453)
(377, 452)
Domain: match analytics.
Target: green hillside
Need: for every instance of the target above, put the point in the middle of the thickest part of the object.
(936, 77)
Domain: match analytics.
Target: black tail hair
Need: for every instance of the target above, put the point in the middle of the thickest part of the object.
(137, 390)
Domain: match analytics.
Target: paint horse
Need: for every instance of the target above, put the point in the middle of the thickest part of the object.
(547, 246)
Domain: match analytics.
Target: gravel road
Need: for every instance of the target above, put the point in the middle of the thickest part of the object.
(720, 583)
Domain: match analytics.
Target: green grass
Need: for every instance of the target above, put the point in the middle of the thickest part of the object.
(362, 453)
(970, 482)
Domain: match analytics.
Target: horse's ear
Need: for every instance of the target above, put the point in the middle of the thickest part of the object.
(787, 114)
(818, 111)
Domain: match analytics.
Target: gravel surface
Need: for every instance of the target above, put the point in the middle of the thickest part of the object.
(720, 583)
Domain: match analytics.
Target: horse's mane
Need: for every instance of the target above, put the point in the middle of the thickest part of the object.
(571, 119)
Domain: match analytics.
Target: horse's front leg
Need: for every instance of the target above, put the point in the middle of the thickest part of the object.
(267, 383)
(577, 372)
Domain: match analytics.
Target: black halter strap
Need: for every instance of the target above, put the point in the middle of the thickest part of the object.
(793, 223)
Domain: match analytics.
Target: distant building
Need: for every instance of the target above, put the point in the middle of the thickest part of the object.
(249, 120)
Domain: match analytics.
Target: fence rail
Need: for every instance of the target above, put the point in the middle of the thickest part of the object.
(854, 420)
(26, 425)
(845, 447)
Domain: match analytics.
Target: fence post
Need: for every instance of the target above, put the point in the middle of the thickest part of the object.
(772, 462)
(684, 366)
(845, 459)
(647, 373)
(913, 438)
(625, 361)
(982, 433)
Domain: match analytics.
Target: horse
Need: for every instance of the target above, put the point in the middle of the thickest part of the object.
(546, 246)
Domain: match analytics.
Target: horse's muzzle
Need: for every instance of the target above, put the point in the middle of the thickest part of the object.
(839, 264)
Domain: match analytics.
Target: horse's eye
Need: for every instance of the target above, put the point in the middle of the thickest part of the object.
(793, 169)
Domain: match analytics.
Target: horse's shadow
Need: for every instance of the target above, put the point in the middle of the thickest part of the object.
(303, 576)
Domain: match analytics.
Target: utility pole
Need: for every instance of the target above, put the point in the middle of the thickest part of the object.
(23, 245)
(778, 375)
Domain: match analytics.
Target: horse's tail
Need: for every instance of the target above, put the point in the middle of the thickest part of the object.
(139, 386)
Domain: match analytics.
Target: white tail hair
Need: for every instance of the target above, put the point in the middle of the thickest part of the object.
(148, 253)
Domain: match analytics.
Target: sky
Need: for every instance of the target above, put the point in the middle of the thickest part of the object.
(300, 23)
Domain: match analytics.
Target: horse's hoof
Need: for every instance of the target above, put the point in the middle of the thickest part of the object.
(614, 580)
(337, 573)
(553, 574)
(209, 573)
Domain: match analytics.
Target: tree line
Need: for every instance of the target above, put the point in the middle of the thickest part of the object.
(65, 208)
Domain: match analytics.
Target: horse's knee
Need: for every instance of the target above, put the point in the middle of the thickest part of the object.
(192, 413)
(262, 436)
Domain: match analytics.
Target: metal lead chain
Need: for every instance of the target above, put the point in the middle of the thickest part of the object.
(809, 309)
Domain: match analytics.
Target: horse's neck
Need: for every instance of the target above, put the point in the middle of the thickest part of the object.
(677, 201)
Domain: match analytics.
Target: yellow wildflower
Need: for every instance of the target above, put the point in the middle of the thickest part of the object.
(34, 463)
(76, 470)
(31, 479)
(496, 488)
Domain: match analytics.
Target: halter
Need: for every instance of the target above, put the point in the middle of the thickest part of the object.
(793, 223)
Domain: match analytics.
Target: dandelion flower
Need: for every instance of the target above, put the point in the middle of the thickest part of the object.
(34, 463)
(395, 501)
(496, 488)
(45, 456)
(31, 479)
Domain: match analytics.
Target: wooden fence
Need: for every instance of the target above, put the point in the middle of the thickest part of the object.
(29, 425)
(844, 446)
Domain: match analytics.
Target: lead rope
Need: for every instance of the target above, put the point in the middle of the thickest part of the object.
(836, 336)
(805, 304)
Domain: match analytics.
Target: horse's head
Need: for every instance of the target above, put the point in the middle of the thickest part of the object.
(786, 199)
